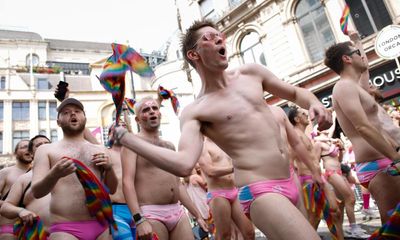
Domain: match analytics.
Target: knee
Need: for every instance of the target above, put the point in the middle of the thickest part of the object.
(336, 213)
(351, 199)
(249, 234)
(225, 234)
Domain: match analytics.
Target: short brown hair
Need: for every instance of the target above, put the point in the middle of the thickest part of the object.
(333, 56)
(190, 37)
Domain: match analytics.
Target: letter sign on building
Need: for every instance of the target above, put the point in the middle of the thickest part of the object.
(387, 43)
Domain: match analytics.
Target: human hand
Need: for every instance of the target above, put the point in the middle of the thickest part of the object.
(144, 231)
(102, 160)
(202, 224)
(322, 116)
(353, 35)
(318, 179)
(64, 167)
(119, 132)
(27, 216)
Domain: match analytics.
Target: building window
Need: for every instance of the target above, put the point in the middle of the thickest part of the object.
(20, 111)
(43, 84)
(314, 25)
(251, 49)
(234, 3)
(369, 16)
(42, 110)
(1, 142)
(1, 111)
(2, 82)
(18, 136)
(207, 9)
(53, 110)
(53, 135)
(71, 68)
(35, 60)
(43, 132)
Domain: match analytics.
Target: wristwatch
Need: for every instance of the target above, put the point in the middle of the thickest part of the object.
(137, 217)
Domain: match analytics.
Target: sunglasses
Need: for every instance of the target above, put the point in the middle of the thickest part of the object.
(357, 51)
(209, 36)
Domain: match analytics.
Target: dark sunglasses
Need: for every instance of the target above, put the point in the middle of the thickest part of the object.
(354, 51)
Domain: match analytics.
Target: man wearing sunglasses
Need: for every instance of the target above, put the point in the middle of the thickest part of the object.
(231, 111)
(358, 116)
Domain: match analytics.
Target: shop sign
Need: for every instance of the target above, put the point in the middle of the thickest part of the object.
(387, 43)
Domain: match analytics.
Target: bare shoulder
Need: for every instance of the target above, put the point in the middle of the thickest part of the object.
(344, 87)
(4, 172)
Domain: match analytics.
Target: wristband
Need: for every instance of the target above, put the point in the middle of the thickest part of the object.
(142, 219)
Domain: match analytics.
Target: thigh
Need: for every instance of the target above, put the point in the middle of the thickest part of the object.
(269, 218)
(62, 236)
(160, 229)
(221, 212)
(7, 237)
(340, 186)
(105, 235)
(182, 230)
(240, 219)
(386, 191)
(330, 196)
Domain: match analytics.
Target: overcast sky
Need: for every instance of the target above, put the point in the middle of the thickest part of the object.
(146, 24)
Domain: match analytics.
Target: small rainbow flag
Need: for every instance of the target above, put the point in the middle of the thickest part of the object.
(97, 198)
(130, 103)
(344, 20)
(165, 94)
(391, 229)
(30, 232)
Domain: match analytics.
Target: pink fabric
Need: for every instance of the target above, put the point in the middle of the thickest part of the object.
(329, 172)
(285, 187)
(168, 214)
(365, 197)
(83, 230)
(305, 179)
(367, 171)
(7, 228)
(229, 194)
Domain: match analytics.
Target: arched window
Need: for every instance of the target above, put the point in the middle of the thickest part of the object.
(35, 60)
(315, 28)
(251, 49)
(369, 16)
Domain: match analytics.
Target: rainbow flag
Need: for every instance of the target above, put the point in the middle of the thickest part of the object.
(391, 229)
(130, 103)
(169, 94)
(97, 198)
(344, 20)
(30, 232)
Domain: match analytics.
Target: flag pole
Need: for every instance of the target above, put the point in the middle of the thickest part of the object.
(133, 96)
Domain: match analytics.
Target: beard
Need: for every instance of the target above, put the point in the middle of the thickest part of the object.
(24, 159)
(73, 131)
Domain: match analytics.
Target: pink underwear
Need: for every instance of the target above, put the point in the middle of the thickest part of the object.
(168, 214)
(367, 171)
(305, 179)
(330, 172)
(83, 230)
(7, 229)
(229, 194)
(285, 187)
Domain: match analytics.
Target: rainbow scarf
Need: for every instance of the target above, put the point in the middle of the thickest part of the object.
(315, 201)
(30, 232)
(97, 198)
(393, 170)
(391, 229)
(130, 103)
(112, 78)
(344, 20)
(165, 94)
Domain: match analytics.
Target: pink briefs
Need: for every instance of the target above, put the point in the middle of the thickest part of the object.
(367, 171)
(83, 230)
(168, 214)
(229, 194)
(330, 172)
(285, 187)
(305, 179)
(7, 229)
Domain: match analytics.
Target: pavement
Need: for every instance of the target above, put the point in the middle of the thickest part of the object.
(368, 224)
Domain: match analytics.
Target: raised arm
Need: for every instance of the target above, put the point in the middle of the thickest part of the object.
(364, 78)
(348, 100)
(301, 96)
(179, 163)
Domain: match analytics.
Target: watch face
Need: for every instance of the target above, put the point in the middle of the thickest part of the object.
(137, 217)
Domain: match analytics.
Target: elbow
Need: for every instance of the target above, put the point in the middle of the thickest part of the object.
(36, 193)
(184, 172)
(363, 129)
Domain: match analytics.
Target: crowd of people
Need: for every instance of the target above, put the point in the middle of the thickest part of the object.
(240, 165)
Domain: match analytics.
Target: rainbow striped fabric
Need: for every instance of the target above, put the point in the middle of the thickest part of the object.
(97, 198)
(169, 94)
(344, 20)
(112, 78)
(130, 103)
(30, 232)
(315, 201)
(391, 229)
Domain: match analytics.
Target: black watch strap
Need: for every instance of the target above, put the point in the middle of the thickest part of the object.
(137, 217)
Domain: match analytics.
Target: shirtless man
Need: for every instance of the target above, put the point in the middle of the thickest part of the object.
(299, 119)
(222, 193)
(8, 176)
(152, 194)
(357, 113)
(53, 173)
(122, 215)
(20, 201)
(231, 111)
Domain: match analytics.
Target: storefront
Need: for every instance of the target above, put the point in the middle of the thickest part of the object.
(386, 77)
